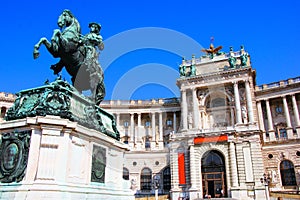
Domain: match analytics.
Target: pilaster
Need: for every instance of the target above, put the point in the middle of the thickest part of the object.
(33, 156)
(233, 165)
(195, 109)
(183, 110)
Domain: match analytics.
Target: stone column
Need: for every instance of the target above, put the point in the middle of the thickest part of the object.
(160, 127)
(260, 116)
(288, 119)
(132, 138)
(183, 110)
(153, 126)
(174, 122)
(261, 120)
(233, 165)
(139, 119)
(286, 112)
(249, 102)
(270, 122)
(295, 109)
(237, 103)
(195, 109)
(139, 127)
(296, 115)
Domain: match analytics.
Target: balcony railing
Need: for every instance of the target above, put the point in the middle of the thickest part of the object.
(278, 84)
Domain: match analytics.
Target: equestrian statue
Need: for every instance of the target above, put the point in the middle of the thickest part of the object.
(78, 54)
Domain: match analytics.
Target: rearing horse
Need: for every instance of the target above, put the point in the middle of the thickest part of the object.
(68, 46)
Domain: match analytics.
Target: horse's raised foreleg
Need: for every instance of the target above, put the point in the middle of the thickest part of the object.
(44, 41)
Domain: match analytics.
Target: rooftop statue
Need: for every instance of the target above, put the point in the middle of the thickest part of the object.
(77, 53)
(212, 50)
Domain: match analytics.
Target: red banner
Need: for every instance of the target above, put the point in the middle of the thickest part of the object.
(219, 138)
(181, 168)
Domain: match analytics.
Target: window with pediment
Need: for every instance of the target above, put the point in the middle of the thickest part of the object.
(281, 132)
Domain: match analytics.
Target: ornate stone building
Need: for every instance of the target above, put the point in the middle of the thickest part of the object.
(218, 147)
(6, 101)
(219, 138)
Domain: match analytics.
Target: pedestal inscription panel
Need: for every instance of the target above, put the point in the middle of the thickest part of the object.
(14, 148)
(98, 164)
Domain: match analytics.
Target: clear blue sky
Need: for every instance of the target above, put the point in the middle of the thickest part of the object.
(143, 45)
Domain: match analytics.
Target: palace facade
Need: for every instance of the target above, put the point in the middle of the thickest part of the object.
(219, 138)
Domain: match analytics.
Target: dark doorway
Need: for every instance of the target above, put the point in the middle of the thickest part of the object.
(213, 174)
(211, 188)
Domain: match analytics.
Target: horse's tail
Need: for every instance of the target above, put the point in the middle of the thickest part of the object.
(100, 93)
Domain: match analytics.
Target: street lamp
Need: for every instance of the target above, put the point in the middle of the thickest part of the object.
(266, 181)
(156, 185)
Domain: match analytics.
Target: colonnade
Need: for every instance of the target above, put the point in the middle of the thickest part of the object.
(270, 129)
(155, 126)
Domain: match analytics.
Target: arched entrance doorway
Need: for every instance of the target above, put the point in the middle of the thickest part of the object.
(213, 174)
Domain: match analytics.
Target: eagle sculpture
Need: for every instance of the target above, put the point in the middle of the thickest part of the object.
(212, 50)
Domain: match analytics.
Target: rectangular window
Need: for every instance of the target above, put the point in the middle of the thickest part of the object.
(283, 133)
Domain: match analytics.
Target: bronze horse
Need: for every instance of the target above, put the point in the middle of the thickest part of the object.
(68, 45)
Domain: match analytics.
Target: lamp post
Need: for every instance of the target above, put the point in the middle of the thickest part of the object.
(266, 181)
(156, 185)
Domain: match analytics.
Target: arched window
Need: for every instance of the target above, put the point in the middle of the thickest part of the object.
(146, 180)
(212, 162)
(167, 179)
(287, 173)
(125, 173)
(218, 102)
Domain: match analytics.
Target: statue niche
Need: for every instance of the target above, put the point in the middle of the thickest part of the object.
(77, 53)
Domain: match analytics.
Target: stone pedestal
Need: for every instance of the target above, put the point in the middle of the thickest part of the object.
(64, 160)
(56, 145)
